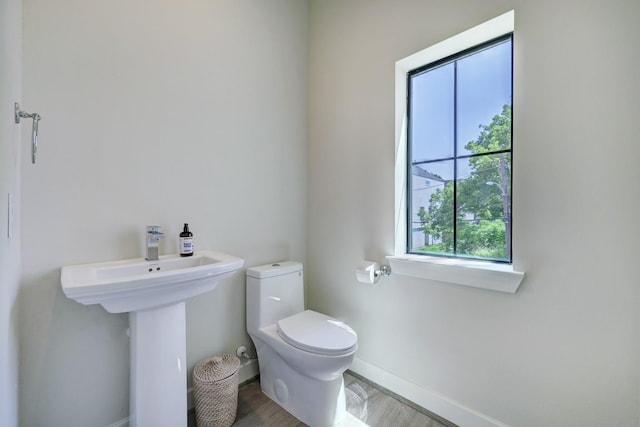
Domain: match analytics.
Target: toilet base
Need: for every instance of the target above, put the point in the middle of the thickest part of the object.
(318, 403)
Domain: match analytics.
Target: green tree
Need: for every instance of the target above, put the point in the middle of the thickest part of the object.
(483, 215)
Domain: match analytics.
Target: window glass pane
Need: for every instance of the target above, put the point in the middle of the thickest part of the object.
(432, 217)
(483, 91)
(459, 136)
(431, 112)
(483, 214)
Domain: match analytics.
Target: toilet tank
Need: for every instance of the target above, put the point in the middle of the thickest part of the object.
(274, 291)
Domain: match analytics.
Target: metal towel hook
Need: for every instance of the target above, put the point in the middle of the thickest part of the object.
(34, 130)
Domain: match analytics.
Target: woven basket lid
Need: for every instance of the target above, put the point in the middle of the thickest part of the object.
(216, 368)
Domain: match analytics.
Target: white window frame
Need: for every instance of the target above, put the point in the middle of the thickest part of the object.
(479, 274)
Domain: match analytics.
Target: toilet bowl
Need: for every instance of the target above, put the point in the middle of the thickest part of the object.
(302, 354)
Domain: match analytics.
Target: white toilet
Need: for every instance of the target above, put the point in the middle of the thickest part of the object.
(302, 354)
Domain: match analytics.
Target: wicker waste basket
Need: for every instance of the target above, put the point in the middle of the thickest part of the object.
(215, 390)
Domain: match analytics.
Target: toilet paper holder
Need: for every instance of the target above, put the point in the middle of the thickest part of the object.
(371, 271)
(384, 271)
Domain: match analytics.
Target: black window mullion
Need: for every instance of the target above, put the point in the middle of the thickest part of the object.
(466, 156)
(455, 157)
(409, 182)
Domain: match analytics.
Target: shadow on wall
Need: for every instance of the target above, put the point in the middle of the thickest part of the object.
(60, 345)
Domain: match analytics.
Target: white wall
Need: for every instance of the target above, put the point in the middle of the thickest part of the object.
(159, 112)
(10, 92)
(564, 350)
(153, 112)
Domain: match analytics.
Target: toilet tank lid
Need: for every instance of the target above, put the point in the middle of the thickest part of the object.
(275, 269)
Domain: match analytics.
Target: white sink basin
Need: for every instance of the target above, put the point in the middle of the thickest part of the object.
(153, 293)
(138, 284)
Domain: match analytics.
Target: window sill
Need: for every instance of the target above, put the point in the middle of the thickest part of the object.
(477, 274)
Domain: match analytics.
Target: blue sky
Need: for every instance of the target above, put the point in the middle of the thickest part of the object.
(483, 87)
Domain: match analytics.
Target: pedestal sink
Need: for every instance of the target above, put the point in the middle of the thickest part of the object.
(153, 293)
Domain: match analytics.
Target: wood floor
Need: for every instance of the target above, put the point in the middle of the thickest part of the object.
(367, 406)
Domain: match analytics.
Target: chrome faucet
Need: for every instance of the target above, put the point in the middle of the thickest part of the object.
(153, 241)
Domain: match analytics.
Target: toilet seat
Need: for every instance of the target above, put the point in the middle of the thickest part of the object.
(317, 333)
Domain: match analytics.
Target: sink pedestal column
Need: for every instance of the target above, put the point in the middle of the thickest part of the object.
(158, 379)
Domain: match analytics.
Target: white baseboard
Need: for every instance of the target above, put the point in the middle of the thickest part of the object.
(248, 370)
(122, 423)
(438, 404)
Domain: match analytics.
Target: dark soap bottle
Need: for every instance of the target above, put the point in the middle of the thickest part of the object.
(186, 241)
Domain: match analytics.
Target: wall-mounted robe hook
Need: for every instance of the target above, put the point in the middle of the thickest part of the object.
(19, 114)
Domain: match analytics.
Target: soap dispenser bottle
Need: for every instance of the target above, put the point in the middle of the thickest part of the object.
(186, 241)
